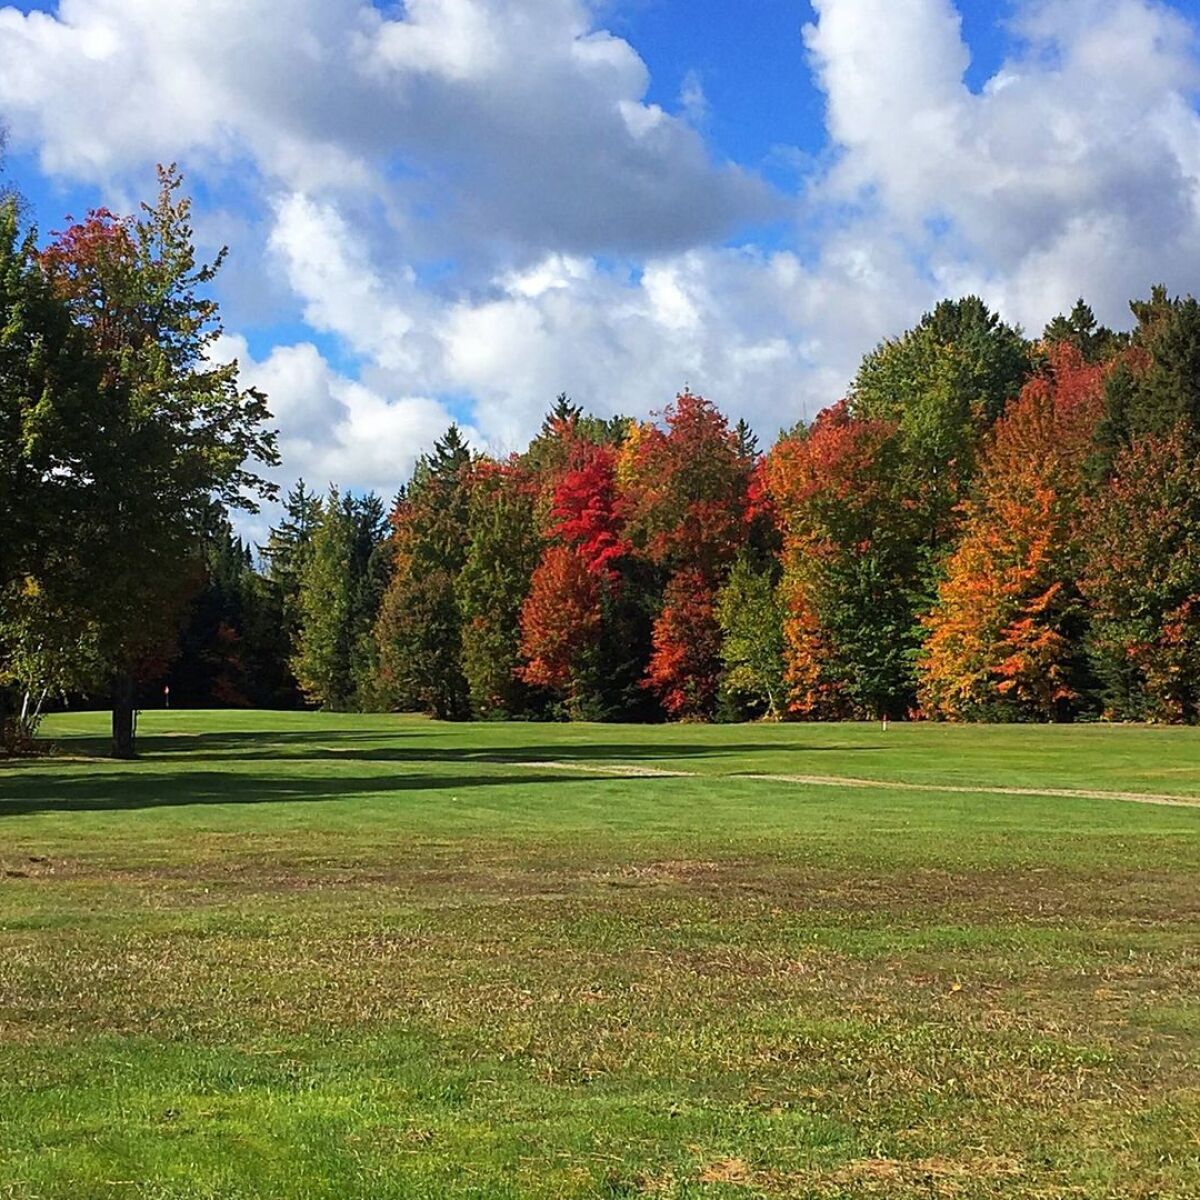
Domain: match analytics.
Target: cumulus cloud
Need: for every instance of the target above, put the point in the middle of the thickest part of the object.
(476, 201)
(1077, 165)
(759, 330)
(514, 120)
(334, 429)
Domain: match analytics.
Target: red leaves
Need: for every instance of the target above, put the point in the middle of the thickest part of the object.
(1141, 579)
(585, 509)
(559, 620)
(685, 498)
(685, 666)
(836, 461)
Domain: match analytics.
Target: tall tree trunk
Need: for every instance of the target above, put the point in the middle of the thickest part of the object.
(122, 715)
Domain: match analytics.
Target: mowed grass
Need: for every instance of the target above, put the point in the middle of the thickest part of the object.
(309, 956)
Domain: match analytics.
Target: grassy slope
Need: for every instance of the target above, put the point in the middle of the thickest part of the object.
(299, 956)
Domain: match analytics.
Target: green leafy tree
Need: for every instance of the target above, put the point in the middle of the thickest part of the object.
(943, 384)
(167, 433)
(47, 377)
(287, 552)
(751, 618)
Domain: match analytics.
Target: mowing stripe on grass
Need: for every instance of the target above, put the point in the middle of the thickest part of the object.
(634, 771)
(973, 790)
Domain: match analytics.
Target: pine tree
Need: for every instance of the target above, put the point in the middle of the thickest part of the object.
(502, 553)
(419, 630)
(287, 552)
(371, 563)
(323, 659)
(747, 440)
(1080, 329)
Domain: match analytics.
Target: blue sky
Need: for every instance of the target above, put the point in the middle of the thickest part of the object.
(459, 208)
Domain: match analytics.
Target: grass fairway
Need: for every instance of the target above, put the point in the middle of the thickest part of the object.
(324, 958)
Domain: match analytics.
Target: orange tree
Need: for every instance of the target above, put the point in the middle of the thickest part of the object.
(1005, 636)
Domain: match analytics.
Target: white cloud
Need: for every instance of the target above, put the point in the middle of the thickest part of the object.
(1076, 168)
(475, 199)
(514, 118)
(760, 332)
(334, 429)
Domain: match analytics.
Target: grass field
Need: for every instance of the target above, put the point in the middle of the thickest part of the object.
(323, 958)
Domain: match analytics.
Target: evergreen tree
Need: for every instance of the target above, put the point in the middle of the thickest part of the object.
(1167, 392)
(341, 588)
(287, 552)
(1154, 389)
(1079, 328)
(502, 553)
(419, 630)
(371, 563)
(233, 651)
(323, 658)
(747, 440)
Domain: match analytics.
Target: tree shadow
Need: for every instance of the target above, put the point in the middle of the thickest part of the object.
(333, 746)
(116, 791)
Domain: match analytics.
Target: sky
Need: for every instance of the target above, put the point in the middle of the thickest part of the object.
(457, 209)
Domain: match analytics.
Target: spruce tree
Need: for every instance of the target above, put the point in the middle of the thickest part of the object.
(419, 631)
(322, 662)
(287, 552)
(502, 553)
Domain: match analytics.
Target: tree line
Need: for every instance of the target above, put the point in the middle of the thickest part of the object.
(986, 527)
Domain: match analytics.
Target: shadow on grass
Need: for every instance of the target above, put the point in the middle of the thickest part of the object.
(330, 745)
(116, 791)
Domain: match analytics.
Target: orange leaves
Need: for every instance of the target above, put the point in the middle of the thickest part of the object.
(1000, 641)
(814, 693)
(685, 666)
(559, 620)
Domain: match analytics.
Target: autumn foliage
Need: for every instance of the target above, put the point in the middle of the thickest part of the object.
(985, 527)
(1004, 633)
(685, 667)
(560, 621)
